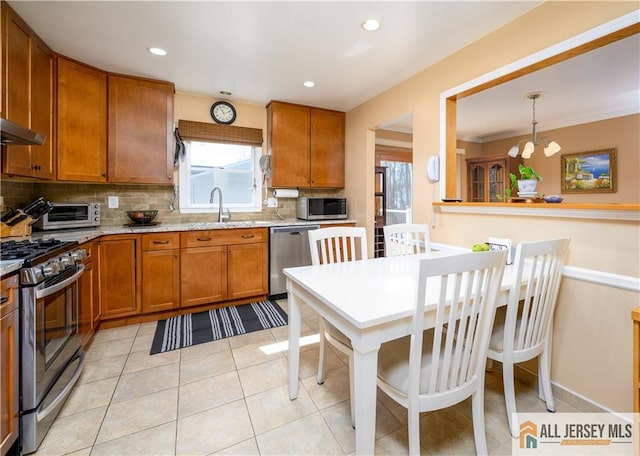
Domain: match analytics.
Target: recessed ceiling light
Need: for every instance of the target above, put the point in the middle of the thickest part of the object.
(371, 25)
(309, 84)
(157, 51)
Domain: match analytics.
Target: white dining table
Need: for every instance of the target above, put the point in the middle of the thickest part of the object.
(371, 302)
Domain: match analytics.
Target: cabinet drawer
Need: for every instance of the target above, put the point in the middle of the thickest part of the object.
(223, 237)
(160, 241)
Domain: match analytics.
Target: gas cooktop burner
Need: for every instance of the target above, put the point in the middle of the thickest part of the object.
(17, 254)
(33, 250)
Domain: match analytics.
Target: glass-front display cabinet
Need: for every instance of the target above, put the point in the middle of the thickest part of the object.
(488, 177)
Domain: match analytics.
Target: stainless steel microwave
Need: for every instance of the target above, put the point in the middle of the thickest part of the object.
(70, 215)
(308, 208)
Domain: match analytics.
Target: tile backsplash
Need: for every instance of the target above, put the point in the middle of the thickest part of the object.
(15, 194)
(133, 197)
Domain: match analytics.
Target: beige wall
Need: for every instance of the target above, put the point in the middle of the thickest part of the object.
(195, 107)
(611, 246)
(394, 136)
(621, 133)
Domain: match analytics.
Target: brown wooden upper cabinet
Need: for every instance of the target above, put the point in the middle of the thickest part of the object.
(487, 177)
(140, 130)
(306, 145)
(82, 121)
(27, 96)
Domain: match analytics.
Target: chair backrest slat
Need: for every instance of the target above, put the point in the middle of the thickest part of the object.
(468, 286)
(406, 239)
(338, 244)
(541, 264)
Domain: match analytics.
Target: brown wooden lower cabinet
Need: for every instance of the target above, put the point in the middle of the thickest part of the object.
(223, 265)
(203, 277)
(120, 289)
(9, 367)
(246, 271)
(160, 271)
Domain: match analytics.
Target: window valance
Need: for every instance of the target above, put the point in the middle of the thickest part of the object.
(229, 134)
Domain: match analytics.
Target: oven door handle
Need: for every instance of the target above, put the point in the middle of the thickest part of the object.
(62, 396)
(59, 286)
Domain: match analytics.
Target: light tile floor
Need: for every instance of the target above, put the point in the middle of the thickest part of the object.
(230, 397)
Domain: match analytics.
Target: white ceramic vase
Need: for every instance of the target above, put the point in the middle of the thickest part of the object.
(527, 185)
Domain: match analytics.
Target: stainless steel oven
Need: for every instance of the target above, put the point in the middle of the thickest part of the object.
(50, 341)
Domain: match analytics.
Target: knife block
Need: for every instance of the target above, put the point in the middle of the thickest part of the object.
(22, 228)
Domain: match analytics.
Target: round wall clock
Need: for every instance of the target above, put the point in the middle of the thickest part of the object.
(223, 112)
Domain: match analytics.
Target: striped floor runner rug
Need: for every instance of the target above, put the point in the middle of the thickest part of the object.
(197, 328)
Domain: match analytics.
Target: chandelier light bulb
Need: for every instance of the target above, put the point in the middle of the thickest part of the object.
(551, 149)
(528, 149)
(513, 152)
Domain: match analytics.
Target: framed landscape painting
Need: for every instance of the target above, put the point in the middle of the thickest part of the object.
(589, 172)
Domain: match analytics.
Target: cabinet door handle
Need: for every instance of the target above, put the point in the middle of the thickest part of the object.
(4, 299)
(160, 242)
(248, 236)
(204, 239)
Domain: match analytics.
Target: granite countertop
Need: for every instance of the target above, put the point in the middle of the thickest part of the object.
(9, 266)
(85, 235)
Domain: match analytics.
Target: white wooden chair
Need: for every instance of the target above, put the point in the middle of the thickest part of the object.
(522, 330)
(406, 239)
(337, 245)
(435, 369)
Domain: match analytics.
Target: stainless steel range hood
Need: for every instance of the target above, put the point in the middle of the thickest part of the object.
(12, 133)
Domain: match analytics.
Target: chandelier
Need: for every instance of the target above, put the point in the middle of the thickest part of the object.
(550, 147)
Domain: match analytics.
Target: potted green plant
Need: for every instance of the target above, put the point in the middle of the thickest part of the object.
(526, 184)
(528, 179)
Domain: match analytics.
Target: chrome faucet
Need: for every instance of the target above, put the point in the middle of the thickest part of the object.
(213, 192)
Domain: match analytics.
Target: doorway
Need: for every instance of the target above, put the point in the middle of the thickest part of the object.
(393, 184)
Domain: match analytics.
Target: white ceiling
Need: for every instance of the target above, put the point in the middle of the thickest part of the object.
(263, 51)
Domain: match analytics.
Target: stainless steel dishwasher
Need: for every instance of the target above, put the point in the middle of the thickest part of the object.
(288, 247)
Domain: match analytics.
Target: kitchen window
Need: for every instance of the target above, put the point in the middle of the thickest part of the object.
(232, 167)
